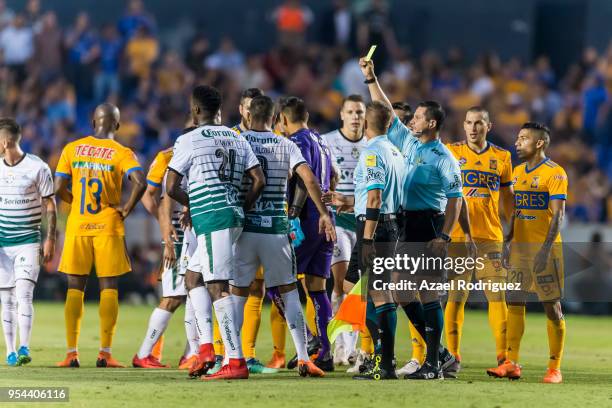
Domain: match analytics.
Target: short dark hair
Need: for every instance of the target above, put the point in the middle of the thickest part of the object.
(261, 108)
(11, 126)
(406, 108)
(480, 109)
(433, 111)
(250, 93)
(542, 130)
(295, 109)
(208, 98)
(380, 117)
(352, 98)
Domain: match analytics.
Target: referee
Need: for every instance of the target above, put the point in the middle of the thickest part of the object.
(378, 179)
(431, 205)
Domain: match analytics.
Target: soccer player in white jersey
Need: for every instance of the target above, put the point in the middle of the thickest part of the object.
(215, 159)
(26, 194)
(346, 144)
(264, 239)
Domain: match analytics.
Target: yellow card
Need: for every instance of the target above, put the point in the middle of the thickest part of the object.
(370, 53)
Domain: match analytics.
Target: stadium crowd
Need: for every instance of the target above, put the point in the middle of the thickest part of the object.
(51, 77)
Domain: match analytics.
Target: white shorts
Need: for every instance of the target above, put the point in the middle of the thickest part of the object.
(19, 262)
(345, 241)
(214, 255)
(273, 251)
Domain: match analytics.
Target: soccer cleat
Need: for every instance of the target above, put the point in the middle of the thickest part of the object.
(359, 360)
(340, 356)
(277, 361)
(147, 362)
(71, 360)
(314, 345)
(377, 372)
(11, 359)
(367, 365)
(23, 356)
(256, 367)
(553, 376)
(326, 365)
(446, 359)
(218, 365)
(204, 362)
(452, 370)
(411, 367)
(186, 362)
(105, 360)
(235, 369)
(507, 369)
(426, 372)
(309, 369)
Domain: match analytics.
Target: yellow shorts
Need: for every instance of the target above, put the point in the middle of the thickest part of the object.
(106, 253)
(548, 284)
(489, 266)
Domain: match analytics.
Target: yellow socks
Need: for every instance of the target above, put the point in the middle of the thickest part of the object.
(498, 315)
(556, 340)
(217, 340)
(73, 313)
(310, 316)
(454, 315)
(367, 346)
(250, 325)
(418, 344)
(515, 327)
(278, 326)
(109, 310)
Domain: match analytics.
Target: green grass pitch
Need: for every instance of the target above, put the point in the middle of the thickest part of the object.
(587, 369)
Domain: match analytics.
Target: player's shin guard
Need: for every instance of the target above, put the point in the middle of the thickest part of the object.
(515, 327)
(372, 325)
(296, 322)
(367, 346)
(24, 290)
(108, 310)
(9, 318)
(191, 331)
(202, 306)
(311, 316)
(278, 324)
(250, 326)
(225, 311)
(157, 325)
(322, 307)
(556, 341)
(498, 316)
(454, 314)
(434, 321)
(73, 313)
(239, 302)
(387, 322)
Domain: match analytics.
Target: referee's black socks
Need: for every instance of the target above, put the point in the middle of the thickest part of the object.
(372, 325)
(415, 313)
(387, 323)
(434, 324)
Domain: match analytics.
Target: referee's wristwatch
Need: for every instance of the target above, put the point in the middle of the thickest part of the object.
(445, 237)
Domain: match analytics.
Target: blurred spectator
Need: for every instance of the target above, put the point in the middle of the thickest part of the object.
(17, 44)
(83, 50)
(292, 19)
(375, 27)
(197, 53)
(135, 16)
(48, 45)
(141, 51)
(6, 15)
(107, 76)
(227, 58)
(595, 94)
(59, 103)
(33, 15)
(338, 26)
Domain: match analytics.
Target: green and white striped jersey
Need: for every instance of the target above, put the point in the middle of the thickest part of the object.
(214, 159)
(22, 188)
(278, 157)
(345, 154)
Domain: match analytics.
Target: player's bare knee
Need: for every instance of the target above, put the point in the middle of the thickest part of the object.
(458, 296)
(109, 283)
(77, 282)
(218, 289)
(193, 280)
(287, 288)
(257, 288)
(553, 310)
(315, 283)
(240, 291)
(170, 304)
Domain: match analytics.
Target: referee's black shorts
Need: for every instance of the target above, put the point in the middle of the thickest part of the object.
(387, 234)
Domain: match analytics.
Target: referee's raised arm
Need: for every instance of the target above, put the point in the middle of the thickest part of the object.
(376, 92)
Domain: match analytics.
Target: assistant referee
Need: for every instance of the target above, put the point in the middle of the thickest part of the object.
(431, 205)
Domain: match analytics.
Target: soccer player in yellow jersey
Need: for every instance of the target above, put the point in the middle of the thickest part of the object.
(535, 259)
(94, 166)
(486, 171)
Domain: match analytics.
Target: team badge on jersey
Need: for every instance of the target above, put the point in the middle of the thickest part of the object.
(493, 164)
(462, 161)
(535, 181)
(355, 153)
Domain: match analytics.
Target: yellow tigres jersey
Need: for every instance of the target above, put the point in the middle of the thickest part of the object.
(533, 191)
(96, 168)
(483, 174)
(158, 168)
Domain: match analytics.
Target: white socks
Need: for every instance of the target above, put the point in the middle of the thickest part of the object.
(24, 291)
(225, 310)
(200, 300)
(157, 324)
(239, 302)
(9, 318)
(190, 330)
(296, 322)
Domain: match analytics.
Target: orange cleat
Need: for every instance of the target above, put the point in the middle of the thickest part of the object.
(71, 360)
(205, 360)
(186, 362)
(553, 376)
(277, 361)
(308, 368)
(236, 369)
(147, 362)
(105, 360)
(507, 369)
